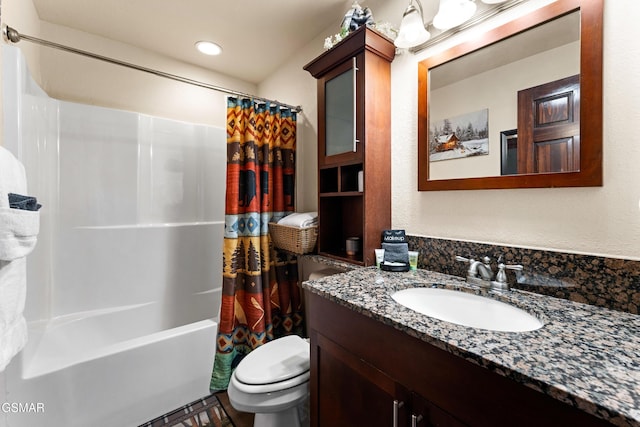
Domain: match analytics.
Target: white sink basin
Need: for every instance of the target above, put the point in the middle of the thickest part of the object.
(467, 309)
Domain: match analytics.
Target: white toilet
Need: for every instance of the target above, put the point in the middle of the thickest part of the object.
(273, 382)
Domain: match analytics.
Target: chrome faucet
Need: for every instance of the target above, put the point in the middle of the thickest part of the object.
(486, 279)
(483, 267)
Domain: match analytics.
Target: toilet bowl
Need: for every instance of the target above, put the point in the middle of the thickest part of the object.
(273, 383)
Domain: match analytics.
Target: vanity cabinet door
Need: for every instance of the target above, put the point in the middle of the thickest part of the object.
(426, 414)
(350, 392)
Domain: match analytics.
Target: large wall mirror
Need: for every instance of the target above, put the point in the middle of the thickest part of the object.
(519, 107)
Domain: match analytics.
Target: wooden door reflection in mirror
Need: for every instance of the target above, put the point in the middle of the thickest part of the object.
(564, 148)
(549, 127)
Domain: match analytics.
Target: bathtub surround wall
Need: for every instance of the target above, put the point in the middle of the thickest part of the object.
(123, 289)
(606, 282)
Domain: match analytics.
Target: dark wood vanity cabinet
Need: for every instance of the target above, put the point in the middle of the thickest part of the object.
(365, 396)
(354, 143)
(361, 369)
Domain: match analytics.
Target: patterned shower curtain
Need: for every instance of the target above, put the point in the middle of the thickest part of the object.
(260, 297)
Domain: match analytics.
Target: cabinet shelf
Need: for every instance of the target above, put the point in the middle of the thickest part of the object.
(341, 255)
(341, 179)
(343, 194)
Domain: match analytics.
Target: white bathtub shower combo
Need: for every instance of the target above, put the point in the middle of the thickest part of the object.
(124, 285)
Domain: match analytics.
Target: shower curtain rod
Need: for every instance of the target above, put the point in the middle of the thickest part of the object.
(12, 35)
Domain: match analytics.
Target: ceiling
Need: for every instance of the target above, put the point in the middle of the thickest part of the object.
(257, 36)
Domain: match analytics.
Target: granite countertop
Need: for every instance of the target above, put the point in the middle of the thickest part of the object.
(585, 356)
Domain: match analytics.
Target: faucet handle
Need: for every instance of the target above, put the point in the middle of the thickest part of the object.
(471, 262)
(472, 267)
(501, 276)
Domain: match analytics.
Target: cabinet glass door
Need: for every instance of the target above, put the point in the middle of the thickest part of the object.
(340, 129)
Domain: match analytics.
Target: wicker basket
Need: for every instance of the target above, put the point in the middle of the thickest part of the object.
(293, 239)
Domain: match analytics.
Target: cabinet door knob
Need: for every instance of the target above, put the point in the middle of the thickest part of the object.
(415, 419)
(396, 406)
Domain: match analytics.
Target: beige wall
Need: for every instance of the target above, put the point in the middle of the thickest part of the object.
(291, 84)
(603, 220)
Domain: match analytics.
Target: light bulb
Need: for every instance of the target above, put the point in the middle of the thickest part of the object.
(412, 31)
(208, 48)
(453, 13)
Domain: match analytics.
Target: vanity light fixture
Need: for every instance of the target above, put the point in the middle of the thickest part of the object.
(452, 13)
(412, 29)
(208, 48)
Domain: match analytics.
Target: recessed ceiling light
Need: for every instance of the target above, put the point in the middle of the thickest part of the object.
(208, 48)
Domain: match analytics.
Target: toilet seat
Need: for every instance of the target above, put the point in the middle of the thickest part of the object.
(268, 388)
(278, 365)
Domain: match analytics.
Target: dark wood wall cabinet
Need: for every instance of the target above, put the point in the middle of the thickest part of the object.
(354, 148)
(366, 373)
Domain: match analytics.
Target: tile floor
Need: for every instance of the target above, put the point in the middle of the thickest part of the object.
(240, 419)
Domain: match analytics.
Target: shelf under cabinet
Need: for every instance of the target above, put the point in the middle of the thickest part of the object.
(342, 256)
(341, 179)
(341, 217)
(343, 194)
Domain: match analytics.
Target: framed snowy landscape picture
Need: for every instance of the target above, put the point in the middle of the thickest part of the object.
(465, 135)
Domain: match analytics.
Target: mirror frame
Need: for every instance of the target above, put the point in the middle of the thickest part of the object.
(590, 174)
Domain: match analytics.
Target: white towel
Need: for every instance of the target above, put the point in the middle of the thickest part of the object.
(18, 230)
(300, 219)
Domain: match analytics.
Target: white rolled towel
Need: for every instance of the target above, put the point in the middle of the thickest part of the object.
(300, 219)
(18, 231)
(18, 228)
